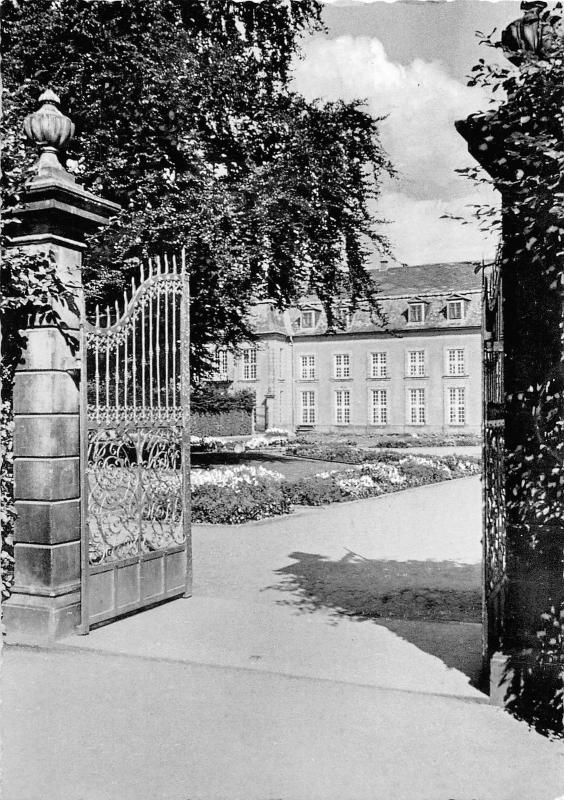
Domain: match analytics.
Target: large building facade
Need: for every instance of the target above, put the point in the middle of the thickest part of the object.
(417, 368)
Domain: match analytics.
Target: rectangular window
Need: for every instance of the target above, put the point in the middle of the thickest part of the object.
(221, 362)
(342, 407)
(378, 365)
(308, 319)
(416, 406)
(455, 309)
(456, 409)
(341, 365)
(308, 408)
(455, 361)
(249, 364)
(379, 407)
(307, 368)
(416, 312)
(416, 363)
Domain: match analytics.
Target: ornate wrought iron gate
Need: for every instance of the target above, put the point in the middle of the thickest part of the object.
(136, 546)
(493, 487)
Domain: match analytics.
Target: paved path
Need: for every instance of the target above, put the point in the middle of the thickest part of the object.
(440, 522)
(86, 726)
(241, 693)
(247, 613)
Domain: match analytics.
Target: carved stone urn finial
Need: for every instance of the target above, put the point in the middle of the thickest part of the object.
(51, 131)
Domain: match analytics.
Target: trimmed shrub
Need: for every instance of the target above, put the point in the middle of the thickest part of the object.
(239, 504)
(316, 490)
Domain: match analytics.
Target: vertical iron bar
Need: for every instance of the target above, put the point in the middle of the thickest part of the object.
(107, 354)
(185, 400)
(151, 348)
(117, 365)
(166, 326)
(134, 354)
(158, 338)
(174, 342)
(84, 625)
(142, 355)
(125, 354)
(97, 362)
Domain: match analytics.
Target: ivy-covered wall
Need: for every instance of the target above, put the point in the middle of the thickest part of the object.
(520, 144)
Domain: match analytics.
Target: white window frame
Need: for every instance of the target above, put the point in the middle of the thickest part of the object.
(341, 365)
(221, 362)
(416, 366)
(416, 406)
(411, 312)
(378, 367)
(456, 412)
(310, 314)
(308, 406)
(379, 410)
(342, 406)
(307, 367)
(451, 304)
(455, 361)
(249, 364)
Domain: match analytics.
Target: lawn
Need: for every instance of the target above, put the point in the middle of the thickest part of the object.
(290, 468)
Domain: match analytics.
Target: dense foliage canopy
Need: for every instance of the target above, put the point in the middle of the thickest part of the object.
(521, 144)
(185, 115)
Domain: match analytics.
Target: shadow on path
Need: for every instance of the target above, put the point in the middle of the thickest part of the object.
(414, 599)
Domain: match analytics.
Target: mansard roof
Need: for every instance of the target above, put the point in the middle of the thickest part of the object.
(443, 278)
(434, 284)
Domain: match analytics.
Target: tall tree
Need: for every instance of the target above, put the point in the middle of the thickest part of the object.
(185, 115)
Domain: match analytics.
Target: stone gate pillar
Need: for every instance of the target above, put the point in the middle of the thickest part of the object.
(56, 215)
(531, 410)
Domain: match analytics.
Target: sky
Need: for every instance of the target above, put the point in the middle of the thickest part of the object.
(410, 61)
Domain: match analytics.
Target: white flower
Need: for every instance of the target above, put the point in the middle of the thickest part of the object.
(280, 432)
(231, 478)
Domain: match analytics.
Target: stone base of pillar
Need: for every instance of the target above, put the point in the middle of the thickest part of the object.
(501, 674)
(32, 619)
(530, 690)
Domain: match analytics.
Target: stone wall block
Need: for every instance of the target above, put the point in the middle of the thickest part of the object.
(47, 523)
(46, 436)
(47, 479)
(45, 393)
(46, 348)
(47, 570)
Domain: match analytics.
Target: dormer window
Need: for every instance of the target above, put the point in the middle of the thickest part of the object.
(344, 317)
(455, 309)
(416, 312)
(307, 320)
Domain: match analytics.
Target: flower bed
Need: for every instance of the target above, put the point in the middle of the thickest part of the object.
(240, 494)
(237, 495)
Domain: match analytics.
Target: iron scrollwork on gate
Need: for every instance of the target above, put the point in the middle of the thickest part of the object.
(494, 523)
(136, 527)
